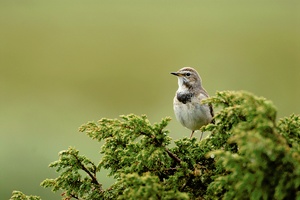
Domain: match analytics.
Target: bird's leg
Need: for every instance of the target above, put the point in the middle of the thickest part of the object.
(192, 134)
(201, 135)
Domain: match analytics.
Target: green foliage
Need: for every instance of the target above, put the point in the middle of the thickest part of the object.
(17, 195)
(263, 166)
(131, 145)
(247, 155)
(289, 127)
(75, 185)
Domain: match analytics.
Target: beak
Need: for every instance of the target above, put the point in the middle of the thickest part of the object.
(175, 73)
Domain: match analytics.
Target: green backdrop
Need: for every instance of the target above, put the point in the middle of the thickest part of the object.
(63, 63)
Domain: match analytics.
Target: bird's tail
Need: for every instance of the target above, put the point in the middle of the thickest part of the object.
(212, 113)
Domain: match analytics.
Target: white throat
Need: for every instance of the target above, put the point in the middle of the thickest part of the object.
(182, 87)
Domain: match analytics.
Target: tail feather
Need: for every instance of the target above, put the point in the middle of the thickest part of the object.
(212, 113)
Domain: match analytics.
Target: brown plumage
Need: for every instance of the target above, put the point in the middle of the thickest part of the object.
(189, 110)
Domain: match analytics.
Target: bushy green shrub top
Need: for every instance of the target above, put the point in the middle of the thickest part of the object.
(247, 155)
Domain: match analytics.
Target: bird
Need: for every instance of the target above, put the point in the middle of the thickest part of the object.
(188, 109)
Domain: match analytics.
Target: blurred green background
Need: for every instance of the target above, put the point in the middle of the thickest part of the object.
(63, 63)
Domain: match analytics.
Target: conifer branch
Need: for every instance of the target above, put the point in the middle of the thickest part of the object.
(93, 177)
(173, 156)
(245, 138)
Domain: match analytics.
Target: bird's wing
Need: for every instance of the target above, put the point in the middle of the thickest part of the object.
(211, 109)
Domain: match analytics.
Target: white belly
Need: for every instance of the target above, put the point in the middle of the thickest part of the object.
(192, 115)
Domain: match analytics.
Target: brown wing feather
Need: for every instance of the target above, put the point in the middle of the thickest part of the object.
(211, 109)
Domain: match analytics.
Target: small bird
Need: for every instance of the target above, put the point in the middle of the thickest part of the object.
(189, 110)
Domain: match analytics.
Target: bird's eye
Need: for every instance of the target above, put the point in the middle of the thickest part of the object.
(188, 74)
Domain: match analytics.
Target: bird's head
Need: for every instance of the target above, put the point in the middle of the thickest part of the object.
(188, 78)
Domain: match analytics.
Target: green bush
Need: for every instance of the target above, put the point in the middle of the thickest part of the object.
(247, 155)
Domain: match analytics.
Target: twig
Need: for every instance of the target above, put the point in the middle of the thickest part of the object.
(94, 180)
(173, 156)
(74, 196)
